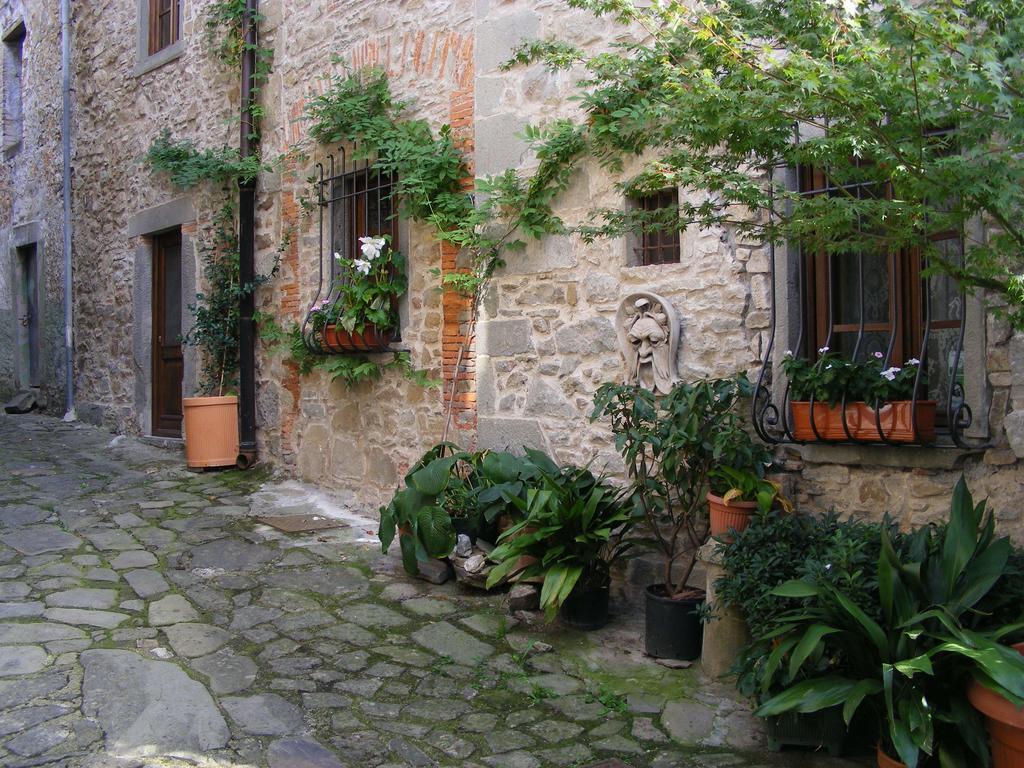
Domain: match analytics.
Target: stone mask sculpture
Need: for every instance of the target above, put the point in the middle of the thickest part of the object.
(648, 331)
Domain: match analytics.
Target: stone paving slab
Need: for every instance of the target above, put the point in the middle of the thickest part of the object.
(147, 619)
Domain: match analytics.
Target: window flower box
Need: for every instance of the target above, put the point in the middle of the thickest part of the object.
(371, 339)
(845, 393)
(895, 422)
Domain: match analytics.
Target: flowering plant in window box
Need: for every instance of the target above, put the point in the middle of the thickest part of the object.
(359, 313)
(834, 398)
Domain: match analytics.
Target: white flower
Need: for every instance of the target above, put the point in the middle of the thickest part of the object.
(371, 247)
(823, 350)
(788, 353)
(913, 361)
(338, 257)
(890, 373)
(362, 266)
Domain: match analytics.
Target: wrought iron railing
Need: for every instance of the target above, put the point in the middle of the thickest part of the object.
(352, 201)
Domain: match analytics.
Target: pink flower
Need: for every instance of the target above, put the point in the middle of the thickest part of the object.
(879, 355)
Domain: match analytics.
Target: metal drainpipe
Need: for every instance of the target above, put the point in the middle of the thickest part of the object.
(246, 255)
(65, 139)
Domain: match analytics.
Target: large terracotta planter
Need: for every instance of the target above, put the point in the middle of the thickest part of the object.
(828, 421)
(728, 516)
(1005, 723)
(884, 761)
(211, 431)
(372, 339)
(897, 421)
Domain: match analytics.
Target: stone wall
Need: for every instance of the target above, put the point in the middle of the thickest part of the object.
(30, 204)
(357, 440)
(123, 102)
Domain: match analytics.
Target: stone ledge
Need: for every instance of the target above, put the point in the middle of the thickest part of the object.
(886, 456)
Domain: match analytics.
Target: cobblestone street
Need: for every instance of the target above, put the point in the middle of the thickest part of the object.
(146, 618)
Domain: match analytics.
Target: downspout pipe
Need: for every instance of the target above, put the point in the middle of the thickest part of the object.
(65, 140)
(246, 251)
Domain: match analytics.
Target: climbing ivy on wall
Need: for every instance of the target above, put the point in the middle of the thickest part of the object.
(358, 108)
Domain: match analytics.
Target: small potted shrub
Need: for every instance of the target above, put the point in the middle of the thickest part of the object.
(777, 547)
(834, 398)
(210, 419)
(573, 529)
(670, 445)
(734, 497)
(360, 312)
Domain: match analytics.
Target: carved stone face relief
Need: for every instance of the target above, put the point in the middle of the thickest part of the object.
(648, 331)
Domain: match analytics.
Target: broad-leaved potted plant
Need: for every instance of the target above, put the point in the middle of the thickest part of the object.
(573, 530)
(941, 625)
(736, 493)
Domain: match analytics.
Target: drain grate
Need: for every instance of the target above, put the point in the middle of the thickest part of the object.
(300, 523)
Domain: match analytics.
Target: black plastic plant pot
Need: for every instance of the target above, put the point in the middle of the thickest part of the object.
(824, 729)
(674, 629)
(585, 609)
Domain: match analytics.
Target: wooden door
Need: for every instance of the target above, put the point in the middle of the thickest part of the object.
(29, 317)
(168, 364)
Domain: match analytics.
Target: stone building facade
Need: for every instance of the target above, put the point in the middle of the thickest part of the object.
(31, 225)
(546, 338)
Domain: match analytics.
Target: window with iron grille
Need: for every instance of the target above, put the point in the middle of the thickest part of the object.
(658, 240)
(164, 24)
(879, 302)
(360, 203)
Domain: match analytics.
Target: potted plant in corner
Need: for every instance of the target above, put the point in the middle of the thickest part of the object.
(940, 624)
(211, 417)
(670, 445)
(360, 312)
(736, 493)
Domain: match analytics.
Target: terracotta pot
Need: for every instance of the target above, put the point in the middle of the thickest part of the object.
(372, 339)
(211, 431)
(1005, 723)
(884, 761)
(897, 422)
(728, 515)
(828, 420)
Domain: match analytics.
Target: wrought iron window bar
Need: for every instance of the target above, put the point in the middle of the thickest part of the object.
(772, 401)
(353, 201)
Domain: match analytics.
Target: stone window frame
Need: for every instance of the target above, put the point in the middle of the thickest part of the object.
(142, 227)
(636, 242)
(146, 61)
(788, 308)
(14, 37)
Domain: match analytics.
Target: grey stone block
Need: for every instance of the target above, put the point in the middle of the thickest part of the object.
(498, 146)
(554, 252)
(496, 37)
(504, 338)
(502, 434)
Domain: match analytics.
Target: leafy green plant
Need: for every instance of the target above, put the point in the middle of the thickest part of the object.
(448, 482)
(714, 89)
(670, 444)
(573, 529)
(736, 484)
(430, 170)
(188, 166)
(913, 662)
(832, 378)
